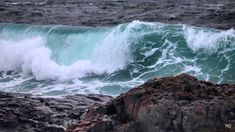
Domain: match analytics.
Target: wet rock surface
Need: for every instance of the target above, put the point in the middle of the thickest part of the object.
(171, 104)
(180, 103)
(24, 113)
(207, 13)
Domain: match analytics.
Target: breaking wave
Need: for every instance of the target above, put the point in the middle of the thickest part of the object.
(58, 60)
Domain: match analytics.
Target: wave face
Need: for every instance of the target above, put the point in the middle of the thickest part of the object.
(60, 60)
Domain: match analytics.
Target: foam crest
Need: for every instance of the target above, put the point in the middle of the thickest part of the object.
(32, 56)
(28, 56)
(60, 60)
(208, 40)
(13, 55)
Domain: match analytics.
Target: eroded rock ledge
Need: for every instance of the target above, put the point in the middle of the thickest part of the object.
(180, 103)
(24, 113)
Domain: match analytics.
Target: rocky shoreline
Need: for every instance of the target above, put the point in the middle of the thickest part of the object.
(27, 113)
(172, 104)
(180, 103)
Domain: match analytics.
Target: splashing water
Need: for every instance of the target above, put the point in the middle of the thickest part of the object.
(60, 60)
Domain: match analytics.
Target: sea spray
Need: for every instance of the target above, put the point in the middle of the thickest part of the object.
(60, 60)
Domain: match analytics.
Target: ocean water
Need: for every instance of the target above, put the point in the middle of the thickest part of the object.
(58, 60)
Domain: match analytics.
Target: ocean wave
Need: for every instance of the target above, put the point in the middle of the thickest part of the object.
(129, 52)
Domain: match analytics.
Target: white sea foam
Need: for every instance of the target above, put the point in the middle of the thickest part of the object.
(31, 56)
(208, 40)
(137, 51)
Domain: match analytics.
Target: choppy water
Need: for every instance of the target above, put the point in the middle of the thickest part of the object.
(60, 60)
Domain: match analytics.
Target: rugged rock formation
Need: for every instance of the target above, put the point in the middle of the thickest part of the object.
(180, 103)
(24, 113)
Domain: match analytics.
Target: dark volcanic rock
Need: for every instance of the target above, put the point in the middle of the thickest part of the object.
(24, 113)
(180, 103)
(208, 13)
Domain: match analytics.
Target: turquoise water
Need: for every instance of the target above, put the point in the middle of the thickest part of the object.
(60, 60)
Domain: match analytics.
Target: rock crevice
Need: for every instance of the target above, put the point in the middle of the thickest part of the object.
(180, 103)
(25, 113)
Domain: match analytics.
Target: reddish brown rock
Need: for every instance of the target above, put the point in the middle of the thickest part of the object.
(180, 103)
